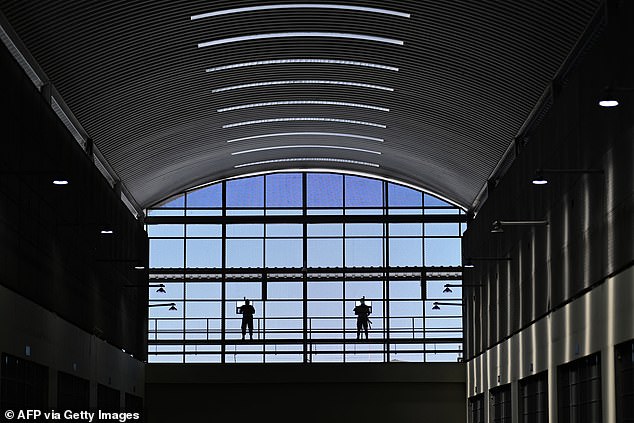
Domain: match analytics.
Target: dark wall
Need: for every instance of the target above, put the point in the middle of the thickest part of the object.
(51, 250)
(328, 392)
(591, 216)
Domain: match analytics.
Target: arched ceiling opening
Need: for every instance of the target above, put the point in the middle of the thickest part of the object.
(178, 93)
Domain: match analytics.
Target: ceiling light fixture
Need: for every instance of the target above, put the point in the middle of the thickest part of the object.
(308, 134)
(60, 182)
(316, 34)
(303, 119)
(302, 102)
(540, 179)
(281, 147)
(610, 96)
(437, 305)
(307, 159)
(448, 286)
(302, 60)
(302, 81)
(172, 306)
(299, 6)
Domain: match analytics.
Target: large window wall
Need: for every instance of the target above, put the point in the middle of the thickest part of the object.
(303, 247)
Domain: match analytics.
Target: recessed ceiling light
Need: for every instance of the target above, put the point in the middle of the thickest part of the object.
(318, 34)
(308, 159)
(60, 182)
(303, 102)
(302, 81)
(299, 119)
(290, 61)
(107, 231)
(302, 134)
(282, 147)
(299, 6)
(608, 103)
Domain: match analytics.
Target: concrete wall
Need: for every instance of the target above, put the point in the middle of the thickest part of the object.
(318, 392)
(566, 291)
(33, 333)
(51, 249)
(63, 300)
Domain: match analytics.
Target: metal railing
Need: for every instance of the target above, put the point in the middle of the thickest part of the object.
(320, 337)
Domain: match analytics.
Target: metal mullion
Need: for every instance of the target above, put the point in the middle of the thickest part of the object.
(386, 279)
(184, 318)
(423, 282)
(305, 270)
(343, 264)
(223, 277)
(314, 218)
(263, 288)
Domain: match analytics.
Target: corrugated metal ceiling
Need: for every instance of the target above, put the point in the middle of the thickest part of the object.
(456, 81)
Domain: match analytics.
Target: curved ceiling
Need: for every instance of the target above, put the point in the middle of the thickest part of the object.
(177, 93)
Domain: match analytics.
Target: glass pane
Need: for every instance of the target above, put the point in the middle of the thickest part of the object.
(206, 231)
(253, 230)
(284, 308)
(406, 252)
(371, 290)
(284, 190)
(364, 252)
(431, 201)
(406, 309)
(283, 290)
(284, 230)
(237, 291)
(325, 253)
(331, 309)
(406, 229)
(325, 229)
(246, 192)
(364, 229)
(363, 192)
(195, 309)
(405, 289)
(442, 252)
(324, 190)
(166, 253)
(165, 212)
(171, 231)
(400, 196)
(203, 290)
(245, 253)
(442, 229)
(284, 253)
(210, 196)
(204, 253)
(325, 289)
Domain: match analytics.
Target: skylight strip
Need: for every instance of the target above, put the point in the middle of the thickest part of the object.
(329, 134)
(299, 102)
(302, 81)
(300, 6)
(291, 119)
(307, 159)
(363, 37)
(291, 61)
(282, 147)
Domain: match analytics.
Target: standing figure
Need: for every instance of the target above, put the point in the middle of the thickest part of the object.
(362, 311)
(247, 311)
